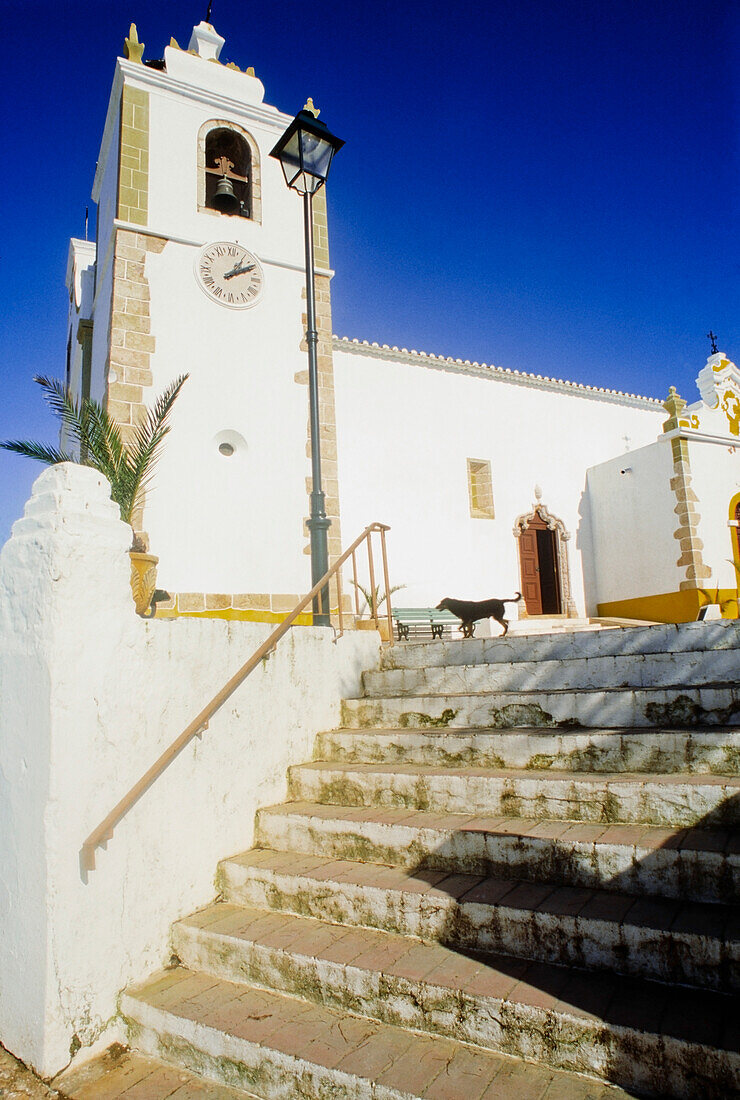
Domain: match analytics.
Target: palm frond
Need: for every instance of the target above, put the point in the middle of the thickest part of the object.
(145, 450)
(103, 440)
(376, 599)
(29, 449)
(98, 436)
(60, 401)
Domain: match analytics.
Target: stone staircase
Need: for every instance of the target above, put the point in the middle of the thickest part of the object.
(517, 861)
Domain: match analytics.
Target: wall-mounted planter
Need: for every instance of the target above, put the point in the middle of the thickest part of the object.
(369, 624)
(143, 579)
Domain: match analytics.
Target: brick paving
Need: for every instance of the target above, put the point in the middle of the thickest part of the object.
(294, 1032)
(132, 1076)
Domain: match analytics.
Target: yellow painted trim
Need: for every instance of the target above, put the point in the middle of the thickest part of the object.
(234, 615)
(735, 536)
(669, 607)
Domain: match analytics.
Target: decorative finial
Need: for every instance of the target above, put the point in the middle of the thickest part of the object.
(673, 405)
(538, 493)
(174, 44)
(713, 338)
(133, 50)
(308, 106)
(205, 42)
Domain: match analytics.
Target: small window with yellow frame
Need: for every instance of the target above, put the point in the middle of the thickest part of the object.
(480, 489)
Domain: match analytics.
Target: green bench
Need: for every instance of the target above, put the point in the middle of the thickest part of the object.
(422, 620)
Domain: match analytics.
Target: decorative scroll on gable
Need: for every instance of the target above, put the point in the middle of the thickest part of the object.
(719, 386)
(718, 411)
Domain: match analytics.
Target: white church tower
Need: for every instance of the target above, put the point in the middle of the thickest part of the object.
(198, 268)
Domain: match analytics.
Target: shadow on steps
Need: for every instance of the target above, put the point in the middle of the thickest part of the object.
(658, 1038)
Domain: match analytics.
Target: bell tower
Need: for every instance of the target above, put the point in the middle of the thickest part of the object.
(199, 268)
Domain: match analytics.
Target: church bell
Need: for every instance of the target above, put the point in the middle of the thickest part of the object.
(225, 199)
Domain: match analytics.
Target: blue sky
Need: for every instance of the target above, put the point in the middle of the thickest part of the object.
(546, 185)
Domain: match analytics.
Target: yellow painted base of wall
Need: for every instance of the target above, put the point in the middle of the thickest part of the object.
(235, 615)
(670, 607)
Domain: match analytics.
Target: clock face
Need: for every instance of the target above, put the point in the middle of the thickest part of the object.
(229, 274)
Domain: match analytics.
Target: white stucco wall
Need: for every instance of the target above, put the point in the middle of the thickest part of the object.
(715, 478)
(630, 519)
(105, 194)
(406, 428)
(90, 695)
(230, 524)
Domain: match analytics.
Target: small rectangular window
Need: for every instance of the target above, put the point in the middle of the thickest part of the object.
(480, 489)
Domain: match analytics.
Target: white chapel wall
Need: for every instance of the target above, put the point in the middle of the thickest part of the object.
(630, 519)
(90, 695)
(715, 478)
(405, 431)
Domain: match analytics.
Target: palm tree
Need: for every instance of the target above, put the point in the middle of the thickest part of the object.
(376, 599)
(99, 441)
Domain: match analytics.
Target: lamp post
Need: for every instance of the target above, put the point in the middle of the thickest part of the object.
(305, 152)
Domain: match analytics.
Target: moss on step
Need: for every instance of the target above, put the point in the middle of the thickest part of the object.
(413, 719)
(521, 714)
(731, 762)
(341, 792)
(684, 712)
(540, 762)
(610, 808)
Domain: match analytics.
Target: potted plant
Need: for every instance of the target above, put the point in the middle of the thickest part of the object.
(98, 442)
(374, 600)
(724, 606)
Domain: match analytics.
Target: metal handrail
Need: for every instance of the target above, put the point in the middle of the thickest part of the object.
(99, 837)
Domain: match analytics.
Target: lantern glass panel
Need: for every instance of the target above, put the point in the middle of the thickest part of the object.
(290, 159)
(317, 154)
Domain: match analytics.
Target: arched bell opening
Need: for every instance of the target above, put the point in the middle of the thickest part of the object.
(228, 171)
(228, 165)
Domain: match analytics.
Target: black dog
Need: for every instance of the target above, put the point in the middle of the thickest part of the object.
(470, 611)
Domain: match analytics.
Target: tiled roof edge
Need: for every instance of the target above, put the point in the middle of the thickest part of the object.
(484, 370)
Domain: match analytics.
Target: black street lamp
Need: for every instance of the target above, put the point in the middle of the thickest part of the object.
(305, 152)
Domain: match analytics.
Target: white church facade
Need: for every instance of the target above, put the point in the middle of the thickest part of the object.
(589, 501)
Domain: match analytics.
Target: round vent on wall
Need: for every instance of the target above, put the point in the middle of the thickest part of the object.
(229, 445)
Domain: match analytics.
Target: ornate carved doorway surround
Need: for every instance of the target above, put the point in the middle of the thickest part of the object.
(543, 561)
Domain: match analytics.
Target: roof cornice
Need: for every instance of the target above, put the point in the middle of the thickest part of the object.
(498, 374)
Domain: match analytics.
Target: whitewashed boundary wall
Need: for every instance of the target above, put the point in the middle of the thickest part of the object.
(90, 695)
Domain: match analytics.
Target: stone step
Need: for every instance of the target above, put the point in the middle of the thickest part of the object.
(129, 1075)
(687, 943)
(285, 1048)
(608, 708)
(498, 1003)
(723, 634)
(544, 624)
(713, 751)
(635, 670)
(674, 800)
(695, 864)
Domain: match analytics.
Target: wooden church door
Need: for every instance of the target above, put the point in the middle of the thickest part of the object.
(530, 569)
(538, 558)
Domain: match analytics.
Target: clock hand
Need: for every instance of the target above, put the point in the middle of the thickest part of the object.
(238, 271)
